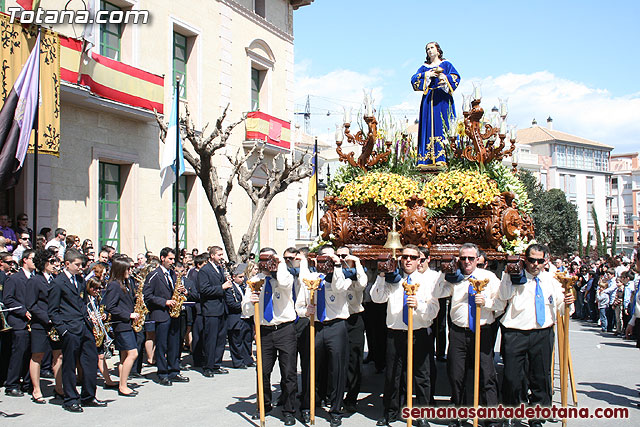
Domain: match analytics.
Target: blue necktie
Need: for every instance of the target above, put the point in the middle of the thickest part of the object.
(268, 300)
(539, 304)
(321, 306)
(405, 307)
(293, 294)
(472, 308)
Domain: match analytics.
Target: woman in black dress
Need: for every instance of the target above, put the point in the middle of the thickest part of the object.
(119, 302)
(36, 298)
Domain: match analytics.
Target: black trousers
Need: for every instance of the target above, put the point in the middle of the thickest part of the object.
(302, 339)
(611, 318)
(280, 342)
(79, 349)
(440, 326)
(355, 332)
(375, 326)
(197, 341)
(332, 351)
(214, 340)
(460, 364)
(396, 370)
(536, 346)
(240, 340)
(5, 354)
(168, 348)
(140, 339)
(19, 359)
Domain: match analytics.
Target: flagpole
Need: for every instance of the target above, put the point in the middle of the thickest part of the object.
(315, 149)
(35, 157)
(177, 170)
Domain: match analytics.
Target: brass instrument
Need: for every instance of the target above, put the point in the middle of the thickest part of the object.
(140, 307)
(4, 326)
(178, 296)
(53, 334)
(99, 329)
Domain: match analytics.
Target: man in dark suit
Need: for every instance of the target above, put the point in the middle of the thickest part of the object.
(211, 287)
(15, 297)
(157, 291)
(239, 331)
(69, 315)
(197, 330)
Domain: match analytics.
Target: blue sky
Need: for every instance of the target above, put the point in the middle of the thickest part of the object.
(576, 61)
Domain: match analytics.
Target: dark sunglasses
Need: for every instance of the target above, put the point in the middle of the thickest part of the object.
(343, 256)
(535, 260)
(289, 258)
(468, 258)
(411, 257)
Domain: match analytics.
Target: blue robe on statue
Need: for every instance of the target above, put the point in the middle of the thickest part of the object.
(435, 110)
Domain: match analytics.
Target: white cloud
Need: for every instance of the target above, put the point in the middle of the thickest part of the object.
(575, 108)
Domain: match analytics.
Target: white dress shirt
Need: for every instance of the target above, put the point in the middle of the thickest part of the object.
(520, 312)
(355, 293)
(283, 307)
(335, 292)
(393, 295)
(459, 293)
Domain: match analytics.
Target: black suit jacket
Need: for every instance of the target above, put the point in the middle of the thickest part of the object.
(37, 298)
(233, 300)
(15, 292)
(68, 305)
(3, 279)
(193, 294)
(120, 305)
(210, 289)
(156, 292)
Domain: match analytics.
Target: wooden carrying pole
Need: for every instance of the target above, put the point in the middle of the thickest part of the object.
(410, 290)
(567, 283)
(312, 286)
(478, 286)
(256, 286)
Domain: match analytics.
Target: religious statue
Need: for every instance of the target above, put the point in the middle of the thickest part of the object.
(437, 79)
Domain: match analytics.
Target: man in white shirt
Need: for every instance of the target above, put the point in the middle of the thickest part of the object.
(23, 244)
(58, 242)
(425, 310)
(352, 268)
(278, 335)
(331, 341)
(462, 331)
(533, 298)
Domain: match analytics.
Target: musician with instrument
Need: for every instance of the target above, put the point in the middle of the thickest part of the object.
(212, 283)
(425, 308)
(119, 303)
(197, 329)
(239, 330)
(68, 311)
(37, 296)
(464, 300)
(14, 294)
(159, 289)
(278, 335)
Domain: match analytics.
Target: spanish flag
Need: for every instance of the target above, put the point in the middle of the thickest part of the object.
(311, 195)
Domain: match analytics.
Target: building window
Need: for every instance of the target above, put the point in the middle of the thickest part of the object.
(183, 193)
(561, 155)
(180, 63)
(259, 7)
(614, 183)
(627, 186)
(628, 238)
(627, 219)
(614, 218)
(590, 186)
(543, 180)
(110, 34)
(257, 80)
(590, 213)
(109, 205)
(571, 157)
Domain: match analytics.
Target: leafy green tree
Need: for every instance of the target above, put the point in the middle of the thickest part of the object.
(556, 221)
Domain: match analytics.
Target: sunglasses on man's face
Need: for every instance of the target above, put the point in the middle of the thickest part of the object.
(343, 256)
(411, 257)
(467, 258)
(535, 260)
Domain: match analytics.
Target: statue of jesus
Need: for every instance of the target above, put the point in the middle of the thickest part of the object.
(437, 79)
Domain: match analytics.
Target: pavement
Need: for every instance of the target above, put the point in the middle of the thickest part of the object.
(607, 372)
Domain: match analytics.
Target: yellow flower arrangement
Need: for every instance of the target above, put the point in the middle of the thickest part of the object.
(461, 187)
(385, 189)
